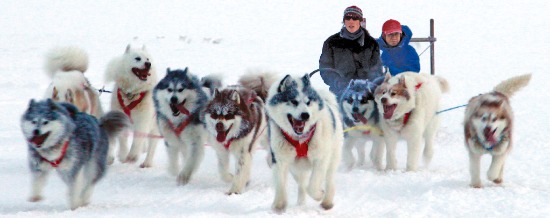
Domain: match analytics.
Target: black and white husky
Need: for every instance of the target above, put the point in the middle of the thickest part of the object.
(236, 121)
(305, 134)
(488, 125)
(360, 116)
(180, 99)
(73, 143)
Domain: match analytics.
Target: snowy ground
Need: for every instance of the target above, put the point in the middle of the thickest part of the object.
(479, 43)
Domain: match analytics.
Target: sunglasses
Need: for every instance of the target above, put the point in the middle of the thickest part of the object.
(349, 17)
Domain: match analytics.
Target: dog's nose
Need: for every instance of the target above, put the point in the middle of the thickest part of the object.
(219, 127)
(36, 132)
(384, 100)
(355, 110)
(148, 64)
(174, 100)
(304, 116)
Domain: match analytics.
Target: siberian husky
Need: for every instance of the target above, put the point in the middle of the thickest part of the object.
(180, 99)
(488, 125)
(360, 118)
(73, 143)
(66, 66)
(236, 121)
(134, 76)
(305, 134)
(407, 105)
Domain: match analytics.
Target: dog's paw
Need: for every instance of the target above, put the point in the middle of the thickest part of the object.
(497, 180)
(183, 179)
(476, 185)
(131, 159)
(110, 160)
(327, 205)
(316, 194)
(35, 198)
(231, 192)
(279, 207)
(146, 165)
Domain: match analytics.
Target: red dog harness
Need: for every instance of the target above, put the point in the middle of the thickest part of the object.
(58, 160)
(301, 148)
(128, 108)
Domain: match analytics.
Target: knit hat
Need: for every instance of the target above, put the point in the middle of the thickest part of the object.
(353, 11)
(391, 26)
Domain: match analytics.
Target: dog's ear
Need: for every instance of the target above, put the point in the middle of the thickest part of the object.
(31, 103)
(217, 93)
(306, 80)
(235, 97)
(387, 77)
(378, 80)
(285, 83)
(127, 49)
(185, 70)
(51, 104)
(402, 81)
(168, 71)
(69, 96)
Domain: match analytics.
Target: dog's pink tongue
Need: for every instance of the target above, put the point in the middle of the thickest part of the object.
(489, 136)
(298, 126)
(360, 117)
(39, 140)
(388, 111)
(221, 136)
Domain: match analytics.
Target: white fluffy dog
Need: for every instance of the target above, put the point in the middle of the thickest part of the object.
(407, 104)
(135, 77)
(66, 66)
(306, 138)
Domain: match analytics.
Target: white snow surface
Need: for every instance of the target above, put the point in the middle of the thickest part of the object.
(479, 44)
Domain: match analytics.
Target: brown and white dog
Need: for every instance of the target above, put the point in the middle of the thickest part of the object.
(407, 104)
(134, 75)
(488, 125)
(66, 66)
(236, 121)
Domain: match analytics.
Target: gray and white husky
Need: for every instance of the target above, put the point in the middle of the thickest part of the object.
(488, 125)
(236, 121)
(361, 122)
(180, 99)
(305, 134)
(73, 143)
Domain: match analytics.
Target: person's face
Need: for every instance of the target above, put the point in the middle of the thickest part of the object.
(352, 23)
(393, 39)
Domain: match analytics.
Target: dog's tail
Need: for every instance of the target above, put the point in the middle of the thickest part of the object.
(512, 85)
(443, 84)
(258, 80)
(114, 123)
(65, 59)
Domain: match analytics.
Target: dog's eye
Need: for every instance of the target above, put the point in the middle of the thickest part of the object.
(393, 93)
(138, 58)
(230, 116)
(294, 102)
(350, 100)
(308, 102)
(170, 90)
(33, 122)
(364, 100)
(180, 90)
(45, 122)
(370, 98)
(214, 116)
(484, 119)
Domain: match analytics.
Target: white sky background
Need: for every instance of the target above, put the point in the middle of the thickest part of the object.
(479, 43)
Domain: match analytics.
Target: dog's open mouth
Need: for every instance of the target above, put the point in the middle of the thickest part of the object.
(177, 109)
(142, 74)
(490, 135)
(297, 125)
(39, 139)
(388, 111)
(222, 133)
(358, 117)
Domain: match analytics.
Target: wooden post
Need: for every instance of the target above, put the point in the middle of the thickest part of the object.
(431, 39)
(432, 47)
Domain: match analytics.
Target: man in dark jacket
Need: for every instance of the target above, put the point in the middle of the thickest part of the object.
(350, 54)
(397, 54)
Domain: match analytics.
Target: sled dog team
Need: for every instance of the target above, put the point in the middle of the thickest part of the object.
(305, 130)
